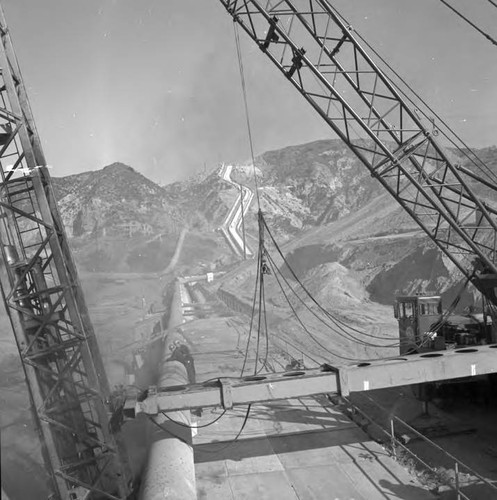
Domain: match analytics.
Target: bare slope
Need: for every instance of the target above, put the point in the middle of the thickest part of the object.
(113, 199)
(118, 220)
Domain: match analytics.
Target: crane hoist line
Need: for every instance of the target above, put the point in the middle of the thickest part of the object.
(320, 55)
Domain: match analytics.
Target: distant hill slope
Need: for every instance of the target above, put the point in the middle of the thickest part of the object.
(324, 175)
(324, 207)
(319, 200)
(300, 187)
(115, 198)
(118, 220)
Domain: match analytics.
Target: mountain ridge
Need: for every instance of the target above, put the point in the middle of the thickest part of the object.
(319, 200)
(109, 199)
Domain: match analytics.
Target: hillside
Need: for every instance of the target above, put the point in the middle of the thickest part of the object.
(325, 209)
(324, 175)
(317, 198)
(299, 187)
(118, 220)
(114, 199)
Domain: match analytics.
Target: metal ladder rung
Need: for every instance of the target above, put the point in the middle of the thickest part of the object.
(29, 230)
(31, 246)
(24, 199)
(17, 200)
(20, 191)
(18, 216)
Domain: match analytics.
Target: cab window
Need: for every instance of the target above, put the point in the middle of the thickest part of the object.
(408, 310)
(429, 308)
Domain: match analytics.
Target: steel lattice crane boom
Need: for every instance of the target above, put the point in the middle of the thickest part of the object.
(321, 56)
(67, 383)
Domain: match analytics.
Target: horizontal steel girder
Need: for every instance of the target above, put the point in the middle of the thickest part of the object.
(415, 369)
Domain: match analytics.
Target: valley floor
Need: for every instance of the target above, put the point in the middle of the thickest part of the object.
(304, 448)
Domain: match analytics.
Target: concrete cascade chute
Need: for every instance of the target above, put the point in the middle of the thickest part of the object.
(236, 215)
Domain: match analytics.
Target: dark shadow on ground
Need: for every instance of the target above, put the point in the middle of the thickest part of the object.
(406, 491)
(284, 411)
(263, 446)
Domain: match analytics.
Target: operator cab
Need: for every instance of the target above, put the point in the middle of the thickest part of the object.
(418, 316)
(423, 327)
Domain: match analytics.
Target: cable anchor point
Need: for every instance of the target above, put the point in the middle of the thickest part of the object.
(271, 36)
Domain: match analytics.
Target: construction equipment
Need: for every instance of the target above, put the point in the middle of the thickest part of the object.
(67, 383)
(423, 327)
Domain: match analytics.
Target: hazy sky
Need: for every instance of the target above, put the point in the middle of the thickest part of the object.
(155, 83)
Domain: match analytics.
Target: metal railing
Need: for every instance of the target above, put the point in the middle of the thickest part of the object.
(390, 434)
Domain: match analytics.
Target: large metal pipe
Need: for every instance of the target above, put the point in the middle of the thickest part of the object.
(175, 312)
(170, 469)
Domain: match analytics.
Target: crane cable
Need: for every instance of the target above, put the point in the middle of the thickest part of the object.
(259, 297)
(320, 307)
(462, 16)
(346, 334)
(343, 335)
(313, 337)
(262, 312)
(262, 319)
(262, 298)
(259, 253)
(245, 102)
(341, 332)
(252, 316)
(261, 289)
(306, 330)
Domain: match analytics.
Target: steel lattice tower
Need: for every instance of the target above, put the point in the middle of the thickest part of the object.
(323, 58)
(67, 383)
